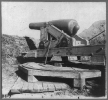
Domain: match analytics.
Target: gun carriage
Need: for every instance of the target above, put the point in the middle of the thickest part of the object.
(59, 41)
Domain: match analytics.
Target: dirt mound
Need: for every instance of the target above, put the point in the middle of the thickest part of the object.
(96, 33)
(12, 46)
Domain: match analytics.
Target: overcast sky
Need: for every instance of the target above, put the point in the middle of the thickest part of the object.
(16, 16)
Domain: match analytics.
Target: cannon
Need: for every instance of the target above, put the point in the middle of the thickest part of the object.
(59, 38)
(62, 32)
(69, 26)
(58, 41)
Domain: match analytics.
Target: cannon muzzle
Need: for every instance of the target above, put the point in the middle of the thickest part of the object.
(37, 26)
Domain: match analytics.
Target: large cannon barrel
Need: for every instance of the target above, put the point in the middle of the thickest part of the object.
(69, 26)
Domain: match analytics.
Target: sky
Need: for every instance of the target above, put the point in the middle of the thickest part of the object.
(16, 16)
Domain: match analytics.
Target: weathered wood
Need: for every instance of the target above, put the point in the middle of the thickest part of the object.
(17, 86)
(65, 74)
(58, 86)
(92, 74)
(30, 86)
(79, 75)
(55, 74)
(66, 51)
(33, 65)
(26, 96)
(97, 58)
(79, 82)
(45, 87)
(51, 95)
(25, 87)
(35, 87)
(51, 87)
(82, 83)
(38, 86)
(76, 82)
(31, 78)
(64, 86)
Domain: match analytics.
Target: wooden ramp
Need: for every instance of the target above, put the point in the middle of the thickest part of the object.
(21, 86)
(78, 75)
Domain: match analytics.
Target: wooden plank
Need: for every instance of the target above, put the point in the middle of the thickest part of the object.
(75, 50)
(25, 87)
(45, 86)
(47, 67)
(30, 87)
(51, 87)
(26, 96)
(17, 86)
(57, 86)
(97, 59)
(67, 74)
(53, 68)
(37, 87)
(91, 74)
(56, 74)
(64, 86)
(35, 66)
(32, 65)
(40, 87)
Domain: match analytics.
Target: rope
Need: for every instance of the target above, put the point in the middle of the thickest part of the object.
(48, 51)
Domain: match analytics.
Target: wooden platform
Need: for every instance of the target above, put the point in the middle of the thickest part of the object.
(78, 75)
(21, 86)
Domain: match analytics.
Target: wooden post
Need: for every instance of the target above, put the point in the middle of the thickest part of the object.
(79, 82)
(82, 84)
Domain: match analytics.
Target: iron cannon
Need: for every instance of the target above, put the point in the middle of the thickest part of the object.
(69, 26)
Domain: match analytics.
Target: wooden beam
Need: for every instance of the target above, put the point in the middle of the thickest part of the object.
(78, 75)
(68, 51)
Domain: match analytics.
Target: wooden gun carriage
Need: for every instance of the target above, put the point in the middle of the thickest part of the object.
(58, 39)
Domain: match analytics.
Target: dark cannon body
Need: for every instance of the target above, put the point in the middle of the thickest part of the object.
(69, 26)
